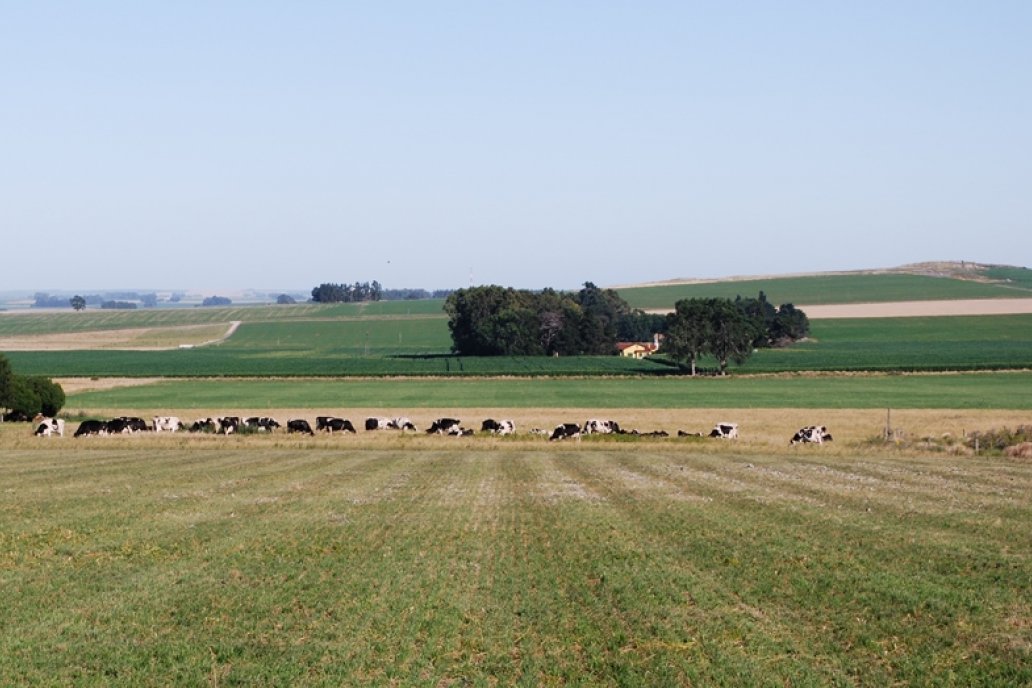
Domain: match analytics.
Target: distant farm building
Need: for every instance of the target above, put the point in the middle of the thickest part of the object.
(639, 349)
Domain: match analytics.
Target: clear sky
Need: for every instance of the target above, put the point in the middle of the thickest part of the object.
(529, 144)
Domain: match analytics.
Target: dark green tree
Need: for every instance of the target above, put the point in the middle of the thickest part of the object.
(688, 332)
(77, 302)
(6, 380)
(731, 333)
(50, 394)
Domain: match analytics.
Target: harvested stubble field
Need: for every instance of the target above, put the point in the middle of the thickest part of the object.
(381, 560)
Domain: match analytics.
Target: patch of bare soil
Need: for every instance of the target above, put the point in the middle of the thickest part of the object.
(72, 385)
(130, 339)
(911, 309)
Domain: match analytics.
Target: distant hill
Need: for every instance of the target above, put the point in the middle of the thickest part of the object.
(932, 281)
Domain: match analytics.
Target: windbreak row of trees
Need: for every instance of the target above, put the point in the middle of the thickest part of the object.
(23, 396)
(502, 321)
(729, 330)
(347, 293)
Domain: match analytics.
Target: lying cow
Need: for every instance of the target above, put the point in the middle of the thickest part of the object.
(205, 425)
(727, 431)
(50, 426)
(167, 424)
(389, 424)
(498, 427)
(811, 434)
(260, 424)
(566, 431)
(332, 424)
(299, 425)
(601, 427)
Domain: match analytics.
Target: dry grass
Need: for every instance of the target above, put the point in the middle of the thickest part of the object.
(134, 339)
(762, 430)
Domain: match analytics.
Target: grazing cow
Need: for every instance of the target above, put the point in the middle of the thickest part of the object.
(260, 424)
(389, 424)
(332, 424)
(726, 431)
(135, 424)
(228, 425)
(682, 433)
(566, 431)
(601, 427)
(91, 427)
(811, 434)
(444, 426)
(299, 425)
(119, 426)
(499, 427)
(167, 424)
(50, 426)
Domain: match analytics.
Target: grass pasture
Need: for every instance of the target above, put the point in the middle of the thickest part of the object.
(1008, 390)
(276, 561)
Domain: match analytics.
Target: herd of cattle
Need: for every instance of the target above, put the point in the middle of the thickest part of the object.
(228, 425)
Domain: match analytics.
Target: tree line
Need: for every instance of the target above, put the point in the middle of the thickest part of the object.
(502, 321)
(729, 330)
(23, 396)
(329, 292)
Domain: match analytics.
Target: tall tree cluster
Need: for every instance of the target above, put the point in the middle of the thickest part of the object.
(502, 321)
(329, 292)
(28, 395)
(729, 330)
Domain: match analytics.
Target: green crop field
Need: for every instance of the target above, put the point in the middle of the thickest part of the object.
(418, 345)
(830, 289)
(277, 563)
(21, 324)
(957, 391)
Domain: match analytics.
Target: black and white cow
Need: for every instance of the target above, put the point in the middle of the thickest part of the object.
(445, 426)
(50, 426)
(811, 434)
(132, 425)
(566, 431)
(91, 427)
(601, 427)
(332, 424)
(227, 425)
(119, 426)
(261, 424)
(389, 424)
(167, 424)
(299, 425)
(724, 430)
(205, 425)
(540, 431)
(498, 427)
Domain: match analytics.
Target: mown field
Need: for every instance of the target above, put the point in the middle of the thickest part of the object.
(829, 289)
(277, 561)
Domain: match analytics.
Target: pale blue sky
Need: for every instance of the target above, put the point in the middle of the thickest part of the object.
(280, 145)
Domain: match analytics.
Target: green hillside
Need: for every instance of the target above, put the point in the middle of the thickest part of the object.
(835, 289)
